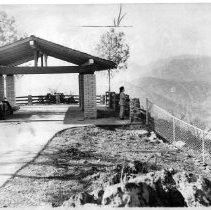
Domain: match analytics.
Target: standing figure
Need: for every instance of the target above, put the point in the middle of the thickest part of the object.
(122, 100)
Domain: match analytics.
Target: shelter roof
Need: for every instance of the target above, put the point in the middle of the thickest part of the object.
(23, 51)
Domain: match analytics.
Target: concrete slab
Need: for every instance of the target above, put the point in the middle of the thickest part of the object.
(40, 113)
(68, 114)
(20, 143)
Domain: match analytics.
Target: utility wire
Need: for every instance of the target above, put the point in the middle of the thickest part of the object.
(92, 26)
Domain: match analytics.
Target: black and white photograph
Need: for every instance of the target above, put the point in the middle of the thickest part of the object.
(105, 104)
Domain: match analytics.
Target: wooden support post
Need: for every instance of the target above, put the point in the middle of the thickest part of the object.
(36, 55)
(42, 60)
(45, 59)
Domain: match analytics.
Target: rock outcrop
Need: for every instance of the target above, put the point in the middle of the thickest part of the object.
(131, 185)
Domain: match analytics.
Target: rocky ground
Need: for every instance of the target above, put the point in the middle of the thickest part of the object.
(114, 167)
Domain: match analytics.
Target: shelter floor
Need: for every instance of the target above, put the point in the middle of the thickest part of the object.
(69, 114)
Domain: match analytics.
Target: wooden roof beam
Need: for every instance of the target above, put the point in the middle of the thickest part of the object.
(88, 69)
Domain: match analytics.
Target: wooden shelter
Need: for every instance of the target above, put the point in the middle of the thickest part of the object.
(34, 48)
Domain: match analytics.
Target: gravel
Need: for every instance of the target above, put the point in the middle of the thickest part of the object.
(83, 159)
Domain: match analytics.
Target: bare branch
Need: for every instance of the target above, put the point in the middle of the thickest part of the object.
(122, 17)
(115, 22)
(119, 16)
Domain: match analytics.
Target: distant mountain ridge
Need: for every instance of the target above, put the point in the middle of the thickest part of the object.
(176, 83)
(183, 68)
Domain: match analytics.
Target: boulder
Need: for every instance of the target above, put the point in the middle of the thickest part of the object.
(98, 195)
(131, 187)
(139, 133)
(196, 190)
(145, 190)
(79, 199)
(152, 136)
(179, 144)
(113, 195)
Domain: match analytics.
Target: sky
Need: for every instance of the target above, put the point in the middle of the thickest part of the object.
(158, 31)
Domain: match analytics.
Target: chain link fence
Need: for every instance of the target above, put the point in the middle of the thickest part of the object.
(178, 131)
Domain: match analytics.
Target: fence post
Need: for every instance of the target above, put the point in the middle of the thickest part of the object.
(29, 99)
(203, 158)
(147, 111)
(104, 99)
(57, 98)
(174, 130)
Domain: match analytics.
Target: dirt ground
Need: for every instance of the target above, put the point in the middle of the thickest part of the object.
(82, 159)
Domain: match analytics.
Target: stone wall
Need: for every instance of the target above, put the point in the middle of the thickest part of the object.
(90, 109)
(135, 113)
(10, 89)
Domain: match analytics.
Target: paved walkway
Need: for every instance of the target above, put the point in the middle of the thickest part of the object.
(20, 143)
(29, 129)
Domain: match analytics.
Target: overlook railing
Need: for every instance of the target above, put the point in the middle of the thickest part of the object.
(175, 130)
(41, 99)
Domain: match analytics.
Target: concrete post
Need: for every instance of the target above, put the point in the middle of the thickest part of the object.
(10, 89)
(203, 147)
(147, 111)
(174, 136)
(81, 91)
(1, 88)
(90, 108)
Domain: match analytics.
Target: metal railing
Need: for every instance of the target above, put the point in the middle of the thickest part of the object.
(175, 130)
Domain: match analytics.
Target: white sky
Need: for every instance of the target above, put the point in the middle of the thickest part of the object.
(159, 31)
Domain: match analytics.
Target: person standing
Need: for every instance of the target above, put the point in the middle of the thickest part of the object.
(122, 100)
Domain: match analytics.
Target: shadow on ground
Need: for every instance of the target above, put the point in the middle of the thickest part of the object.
(68, 164)
(75, 115)
(25, 164)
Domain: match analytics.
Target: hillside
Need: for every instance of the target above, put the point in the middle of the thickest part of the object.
(180, 84)
(182, 68)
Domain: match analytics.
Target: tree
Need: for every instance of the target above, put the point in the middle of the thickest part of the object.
(113, 46)
(8, 29)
